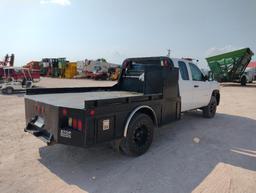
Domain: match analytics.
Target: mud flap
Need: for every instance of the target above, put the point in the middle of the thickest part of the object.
(35, 127)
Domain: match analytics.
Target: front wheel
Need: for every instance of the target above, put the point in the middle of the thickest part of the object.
(210, 110)
(139, 136)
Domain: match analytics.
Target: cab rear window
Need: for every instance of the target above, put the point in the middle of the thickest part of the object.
(183, 70)
(134, 69)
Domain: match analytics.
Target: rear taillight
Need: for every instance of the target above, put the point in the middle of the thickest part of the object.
(79, 125)
(42, 110)
(74, 124)
(39, 109)
(71, 122)
(92, 113)
(64, 112)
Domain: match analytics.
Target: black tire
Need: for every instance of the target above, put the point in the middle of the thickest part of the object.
(243, 81)
(3, 91)
(139, 136)
(210, 110)
(9, 90)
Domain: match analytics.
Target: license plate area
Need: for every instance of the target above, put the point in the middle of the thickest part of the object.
(70, 137)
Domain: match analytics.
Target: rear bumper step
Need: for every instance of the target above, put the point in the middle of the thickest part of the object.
(37, 130)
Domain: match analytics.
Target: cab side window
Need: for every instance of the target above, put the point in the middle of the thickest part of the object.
(183, 70)
(196, 73)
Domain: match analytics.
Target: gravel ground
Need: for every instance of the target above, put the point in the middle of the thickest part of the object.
(223, 161)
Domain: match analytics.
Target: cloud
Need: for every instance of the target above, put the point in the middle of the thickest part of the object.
(215, 51)
(57, 2)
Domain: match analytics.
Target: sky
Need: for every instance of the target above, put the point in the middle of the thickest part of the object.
(117, 29)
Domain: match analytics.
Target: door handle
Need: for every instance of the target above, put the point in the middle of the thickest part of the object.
(196, 86)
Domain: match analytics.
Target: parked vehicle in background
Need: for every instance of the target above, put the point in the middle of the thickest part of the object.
(18, 74)
(8, 62)
(33, 65)
(249, 75)
(16, 86)
(99, 69)
(230, 67)
(150, 92)
(21, 80)
(57, 67)
(97, 73)
(114, 73)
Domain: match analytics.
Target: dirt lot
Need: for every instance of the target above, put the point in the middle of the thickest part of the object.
(223, 161)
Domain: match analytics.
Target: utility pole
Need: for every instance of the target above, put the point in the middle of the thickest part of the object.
(169, 53)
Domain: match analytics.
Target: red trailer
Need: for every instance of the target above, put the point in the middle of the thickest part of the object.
(18, 74)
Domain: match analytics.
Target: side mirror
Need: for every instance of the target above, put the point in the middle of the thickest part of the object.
(210, 76)
(206, 77)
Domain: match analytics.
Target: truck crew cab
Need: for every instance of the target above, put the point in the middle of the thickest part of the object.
(150, 92)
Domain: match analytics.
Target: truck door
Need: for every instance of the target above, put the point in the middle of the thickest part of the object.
(186, 87)
(201, 88)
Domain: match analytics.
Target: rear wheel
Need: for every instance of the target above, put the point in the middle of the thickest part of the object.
(9, 90)
(243, 81)
(3, 91)
(210, 110)
(139, 136)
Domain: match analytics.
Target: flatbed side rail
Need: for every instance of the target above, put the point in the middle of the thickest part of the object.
(124, 100)
(37, 91)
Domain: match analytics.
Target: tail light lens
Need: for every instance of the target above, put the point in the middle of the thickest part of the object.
(70, 122)
(79, 125)
(92, 113)
(74, 124)
(42, 109)
(38, 109)
(64, 112)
